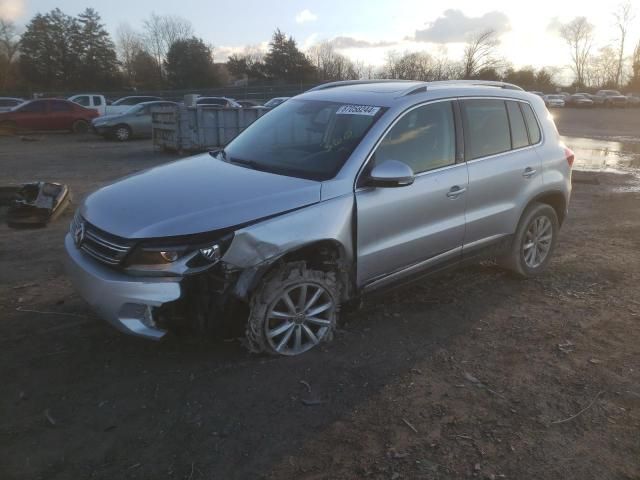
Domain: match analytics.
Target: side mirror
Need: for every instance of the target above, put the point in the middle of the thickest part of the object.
(391, 173)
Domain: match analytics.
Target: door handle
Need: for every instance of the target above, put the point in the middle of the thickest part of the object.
(528, 172)
(456, 191)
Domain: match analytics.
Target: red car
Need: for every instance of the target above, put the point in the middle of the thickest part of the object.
(48, 114)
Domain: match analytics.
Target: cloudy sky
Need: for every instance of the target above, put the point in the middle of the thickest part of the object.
(364, 29)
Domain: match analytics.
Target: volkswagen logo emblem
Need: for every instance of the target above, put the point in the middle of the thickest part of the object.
(78, 234)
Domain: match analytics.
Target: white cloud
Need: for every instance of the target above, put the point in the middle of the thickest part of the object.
(306, 16)
(11, 9)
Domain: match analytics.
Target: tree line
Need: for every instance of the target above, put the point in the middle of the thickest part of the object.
(56, 51)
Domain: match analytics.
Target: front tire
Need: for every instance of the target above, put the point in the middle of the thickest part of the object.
(534, 241)
(293, 310)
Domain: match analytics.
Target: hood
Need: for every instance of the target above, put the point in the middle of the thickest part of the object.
(196, 195)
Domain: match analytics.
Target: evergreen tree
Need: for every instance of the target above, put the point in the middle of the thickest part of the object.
(98, 61)
(61, 52)
(189, 64)
(50, 51)
(285, 62)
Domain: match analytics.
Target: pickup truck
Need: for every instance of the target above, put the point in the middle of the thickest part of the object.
(100, 103)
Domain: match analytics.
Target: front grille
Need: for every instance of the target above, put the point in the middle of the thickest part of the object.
(102, 246)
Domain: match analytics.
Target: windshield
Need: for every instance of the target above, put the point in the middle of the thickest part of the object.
(132, 110)
(303, 138)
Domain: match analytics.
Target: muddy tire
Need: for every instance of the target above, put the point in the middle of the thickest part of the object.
(122, 133)
(80, 126)
(293, 310)
(534, 241)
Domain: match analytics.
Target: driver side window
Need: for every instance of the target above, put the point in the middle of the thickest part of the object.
(423, 138)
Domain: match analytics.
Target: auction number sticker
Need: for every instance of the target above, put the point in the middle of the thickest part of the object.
(367, 110)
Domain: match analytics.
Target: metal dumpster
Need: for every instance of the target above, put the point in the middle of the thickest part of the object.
(199, 128)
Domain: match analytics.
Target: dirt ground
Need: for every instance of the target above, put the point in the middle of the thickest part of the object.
(472, 374)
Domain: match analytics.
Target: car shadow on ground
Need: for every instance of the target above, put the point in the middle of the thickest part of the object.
(118, 402)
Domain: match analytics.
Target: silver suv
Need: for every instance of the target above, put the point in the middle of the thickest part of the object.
(346, 189)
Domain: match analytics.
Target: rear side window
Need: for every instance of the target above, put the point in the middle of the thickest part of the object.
(34, 107)
(212, 101)
(532, 123)
(59, 106)
(486, 128)
(424, 139)
(97, 101)
(519, 137)
(84, 101)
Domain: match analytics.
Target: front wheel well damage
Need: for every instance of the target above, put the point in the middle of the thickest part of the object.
(323, 255)
(217, 301)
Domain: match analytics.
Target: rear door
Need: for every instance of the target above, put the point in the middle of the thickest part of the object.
(405, 229)
(504, 168)
(60, 116)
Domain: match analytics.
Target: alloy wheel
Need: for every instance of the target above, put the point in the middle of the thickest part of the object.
(299, 318)
(537, 241)
(122, 133)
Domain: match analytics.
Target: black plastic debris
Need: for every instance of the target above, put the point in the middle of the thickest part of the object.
(34, 204)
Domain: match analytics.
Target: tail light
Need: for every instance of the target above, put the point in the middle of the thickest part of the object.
(570, 156)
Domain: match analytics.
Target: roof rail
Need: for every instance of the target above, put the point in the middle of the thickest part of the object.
(478, 83)
(345, 83)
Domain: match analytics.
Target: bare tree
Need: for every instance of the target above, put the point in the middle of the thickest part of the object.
(624, 16)
(480, 54)
(578, 34)
(9, 45)
(161, 31)
(601, 70)
(635, 68)
(330, 64)
(128, 44)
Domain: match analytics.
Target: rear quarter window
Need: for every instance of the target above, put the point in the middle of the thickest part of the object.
(532, 123)
(519, 137)
(486, 128)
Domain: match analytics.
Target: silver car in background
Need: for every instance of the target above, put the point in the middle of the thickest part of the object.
(347, 189)
(554, 100)
(133, 123)
(9, 103)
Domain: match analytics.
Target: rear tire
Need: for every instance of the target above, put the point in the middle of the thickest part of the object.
(293, 310)
(534, 241)
(80, 126)
(122, 133)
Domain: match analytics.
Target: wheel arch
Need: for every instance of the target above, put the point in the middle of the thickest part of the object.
(324, 255)
(555, 199)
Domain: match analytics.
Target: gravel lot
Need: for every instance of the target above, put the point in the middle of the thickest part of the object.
(472, 374)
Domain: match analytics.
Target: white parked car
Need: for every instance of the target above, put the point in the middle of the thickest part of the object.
(222, 102)
(554, 101)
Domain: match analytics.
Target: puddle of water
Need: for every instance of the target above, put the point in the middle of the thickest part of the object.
(605, 154)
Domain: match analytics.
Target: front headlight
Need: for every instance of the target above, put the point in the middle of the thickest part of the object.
(154, 256)
(198, 255)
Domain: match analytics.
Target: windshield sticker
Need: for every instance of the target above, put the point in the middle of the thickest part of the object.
(366, 110)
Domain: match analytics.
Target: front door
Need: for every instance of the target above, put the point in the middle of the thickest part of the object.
(404, 229)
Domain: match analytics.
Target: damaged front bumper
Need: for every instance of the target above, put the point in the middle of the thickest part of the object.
(125, 301)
